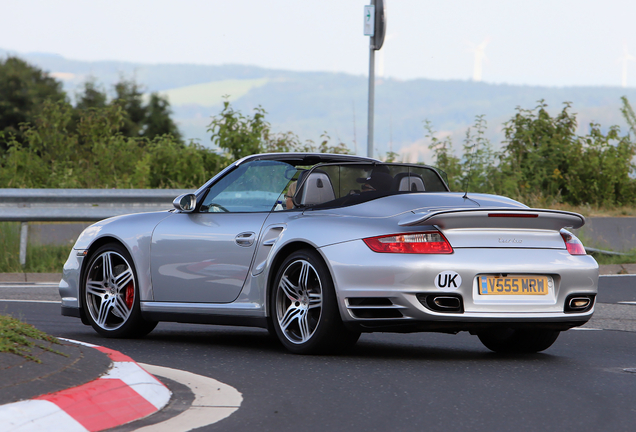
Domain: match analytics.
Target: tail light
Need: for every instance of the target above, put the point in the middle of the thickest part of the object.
(430, 242)
(572, 244)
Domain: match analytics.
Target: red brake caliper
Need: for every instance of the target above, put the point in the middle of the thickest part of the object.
(130, 295)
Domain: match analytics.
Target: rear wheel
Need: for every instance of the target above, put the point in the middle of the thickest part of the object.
(110, 294)
(304, 309)
(508, 340)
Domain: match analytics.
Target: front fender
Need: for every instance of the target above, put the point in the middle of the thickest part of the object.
(134, 232)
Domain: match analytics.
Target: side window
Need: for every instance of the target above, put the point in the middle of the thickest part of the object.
(432, 181)
(252, 187)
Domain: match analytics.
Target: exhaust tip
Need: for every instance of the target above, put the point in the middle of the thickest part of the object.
(579, 303)
(446, 302)
(442, 303)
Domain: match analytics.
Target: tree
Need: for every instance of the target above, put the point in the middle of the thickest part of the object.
(91, 97)
(478, 164)
(129, 97)
(158, 121)
(540, 149)
(94, 154)
(141, 119)
(445, 160)
(23, 90)
(237, 134)
(544, 161)
(240, 135)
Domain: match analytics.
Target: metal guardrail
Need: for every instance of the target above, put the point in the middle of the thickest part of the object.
(78, 205)
(591, 250)
(85, 205)
(91, 205)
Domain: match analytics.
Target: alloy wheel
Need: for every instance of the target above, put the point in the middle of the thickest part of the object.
(110, 290)
(299, 300)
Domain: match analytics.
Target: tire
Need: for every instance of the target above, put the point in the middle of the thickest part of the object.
(303, 307)
(508, 340)
(110, 294)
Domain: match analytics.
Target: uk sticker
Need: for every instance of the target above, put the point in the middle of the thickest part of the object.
(448, 280)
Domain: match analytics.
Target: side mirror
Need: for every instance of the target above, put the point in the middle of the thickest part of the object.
(185, 203)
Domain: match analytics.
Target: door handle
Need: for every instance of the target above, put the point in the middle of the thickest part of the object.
(245, 239)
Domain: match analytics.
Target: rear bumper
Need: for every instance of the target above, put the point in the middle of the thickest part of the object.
(378, 290)
(412, 326)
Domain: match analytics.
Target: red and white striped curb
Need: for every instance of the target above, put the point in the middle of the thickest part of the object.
(125, 393)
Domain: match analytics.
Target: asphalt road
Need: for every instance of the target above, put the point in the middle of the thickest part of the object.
(417, 382)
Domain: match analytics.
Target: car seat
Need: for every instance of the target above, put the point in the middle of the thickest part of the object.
(317, 189)
(405, 181)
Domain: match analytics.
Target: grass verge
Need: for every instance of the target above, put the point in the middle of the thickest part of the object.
(19, 338)
(628, 258)
(39, 259)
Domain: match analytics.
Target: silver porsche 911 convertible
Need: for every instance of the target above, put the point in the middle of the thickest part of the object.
(318, 248)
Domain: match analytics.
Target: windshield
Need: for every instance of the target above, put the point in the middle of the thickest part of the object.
(255, 186)
(335, 185)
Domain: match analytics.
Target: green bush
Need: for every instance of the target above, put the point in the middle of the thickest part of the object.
(240, 135)
(544, 155)
(543, 160)
(96, 155)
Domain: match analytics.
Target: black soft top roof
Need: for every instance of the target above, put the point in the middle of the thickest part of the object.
(307, 158)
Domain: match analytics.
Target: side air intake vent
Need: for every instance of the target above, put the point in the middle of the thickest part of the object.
(373, 308)
(369, 301)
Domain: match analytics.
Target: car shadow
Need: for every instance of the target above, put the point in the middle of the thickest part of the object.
(259, 341)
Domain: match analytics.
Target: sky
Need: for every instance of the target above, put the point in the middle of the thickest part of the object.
(538, 42)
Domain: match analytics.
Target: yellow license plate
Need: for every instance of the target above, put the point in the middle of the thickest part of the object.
(513, 285)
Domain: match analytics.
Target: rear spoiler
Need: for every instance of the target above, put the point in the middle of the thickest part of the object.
(496, 218)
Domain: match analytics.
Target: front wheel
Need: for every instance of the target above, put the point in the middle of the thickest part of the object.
(304, 309)
(508, 340)
(110, 294)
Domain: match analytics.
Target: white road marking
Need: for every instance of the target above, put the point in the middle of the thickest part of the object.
(30, 301)
(585, 328)
(79, 342)
(627, 302)
(617, 275)
(213, 401)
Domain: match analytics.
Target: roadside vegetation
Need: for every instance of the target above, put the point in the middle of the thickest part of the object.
(544, 163)
(39, 259)
(120, 139)
(625, 258)
(17, 337)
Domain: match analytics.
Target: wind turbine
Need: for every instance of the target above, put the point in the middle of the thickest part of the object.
(380, 72)
(624, 59)
(480, 55)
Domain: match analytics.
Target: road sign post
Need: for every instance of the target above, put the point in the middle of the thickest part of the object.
(375, 28)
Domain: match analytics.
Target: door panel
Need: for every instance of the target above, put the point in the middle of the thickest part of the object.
(203, 257)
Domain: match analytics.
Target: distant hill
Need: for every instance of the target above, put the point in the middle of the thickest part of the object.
(310, 103)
